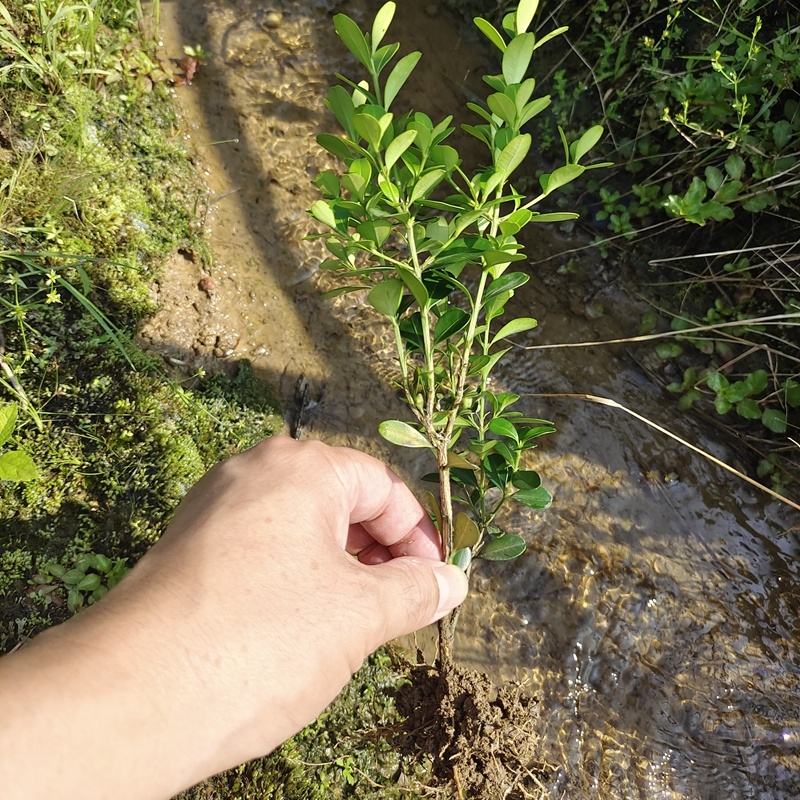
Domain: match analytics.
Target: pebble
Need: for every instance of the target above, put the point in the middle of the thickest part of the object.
(272, 20)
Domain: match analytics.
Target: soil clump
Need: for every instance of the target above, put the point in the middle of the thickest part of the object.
(481, 737)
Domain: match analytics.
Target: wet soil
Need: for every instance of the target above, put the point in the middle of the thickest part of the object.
(482, 739)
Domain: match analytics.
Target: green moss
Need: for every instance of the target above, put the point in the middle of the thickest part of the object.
(97, 190)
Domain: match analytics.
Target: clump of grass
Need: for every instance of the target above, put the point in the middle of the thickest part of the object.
(95, 190)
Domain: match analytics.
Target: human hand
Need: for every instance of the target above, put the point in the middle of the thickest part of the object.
(283, 568)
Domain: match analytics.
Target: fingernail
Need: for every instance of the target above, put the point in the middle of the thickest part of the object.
(453, 587)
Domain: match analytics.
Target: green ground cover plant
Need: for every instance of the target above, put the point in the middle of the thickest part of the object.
(95, 191)
(434, 246)
(701, 104)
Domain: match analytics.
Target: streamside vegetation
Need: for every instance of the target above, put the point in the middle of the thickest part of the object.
(701, 104)
(98, 444)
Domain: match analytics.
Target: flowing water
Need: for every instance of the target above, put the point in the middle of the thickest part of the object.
(655, 614)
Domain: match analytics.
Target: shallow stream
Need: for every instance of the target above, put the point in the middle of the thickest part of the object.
(656, 612)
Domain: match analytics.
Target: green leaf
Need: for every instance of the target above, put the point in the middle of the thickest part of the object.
(353, 39)
(792, 389)
(757, 381)
(341, 104)
(402, 434)
(507, 282)
(386, 296)
(17, 466)
(589, 139)
(503, 107)
(748, 408)
(534, 498)
(335, 145)
(8, 418)
(398, 76)
(782, 133)
(377, 231)
(426, 184)
(526, 479)
(328, 183)
(452, 321)
(491, 33)
(552, 35)
(89, 583)
(774, 420)
(533, 108)
(560, 177)
(717, 382)
(734, 166)
(667, 350)
(465, 531)
(555, 216)
(324, 213)
(714, 178)
(526, 10)
(513, 154)
(415, 285)
(462, 558)
(397, 147)
(502, 427)
(383, 19)
(517, 57)
(504, 548)
(515, 326)
(369, 129)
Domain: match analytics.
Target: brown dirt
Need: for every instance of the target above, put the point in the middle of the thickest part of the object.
(481, 737)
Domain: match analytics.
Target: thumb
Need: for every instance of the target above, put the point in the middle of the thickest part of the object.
(414, 592)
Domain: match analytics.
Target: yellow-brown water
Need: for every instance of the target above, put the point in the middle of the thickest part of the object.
(655, 614)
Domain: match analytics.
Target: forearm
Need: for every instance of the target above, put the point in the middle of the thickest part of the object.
(95, 709)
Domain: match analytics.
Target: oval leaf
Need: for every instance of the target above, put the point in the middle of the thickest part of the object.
(465, 532)
(324, 213)
(517, 57)
(402, 434)
(462, 558)
(353, 39)
(519, 325)
(503, 548)
(534, 498)
(17, 466)
(398, 146)
(589, 139)
(381, 24)
(426, 184)
(386, 296)
(502, 427)
(491, 33)
(398, 76)
(452, 321)
(525, 13)
(526, 479)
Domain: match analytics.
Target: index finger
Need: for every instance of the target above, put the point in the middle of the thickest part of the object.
(383, 507)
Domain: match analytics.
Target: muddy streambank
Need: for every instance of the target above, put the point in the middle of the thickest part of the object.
(655, 615)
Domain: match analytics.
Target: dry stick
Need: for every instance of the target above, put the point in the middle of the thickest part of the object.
(605, 401)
